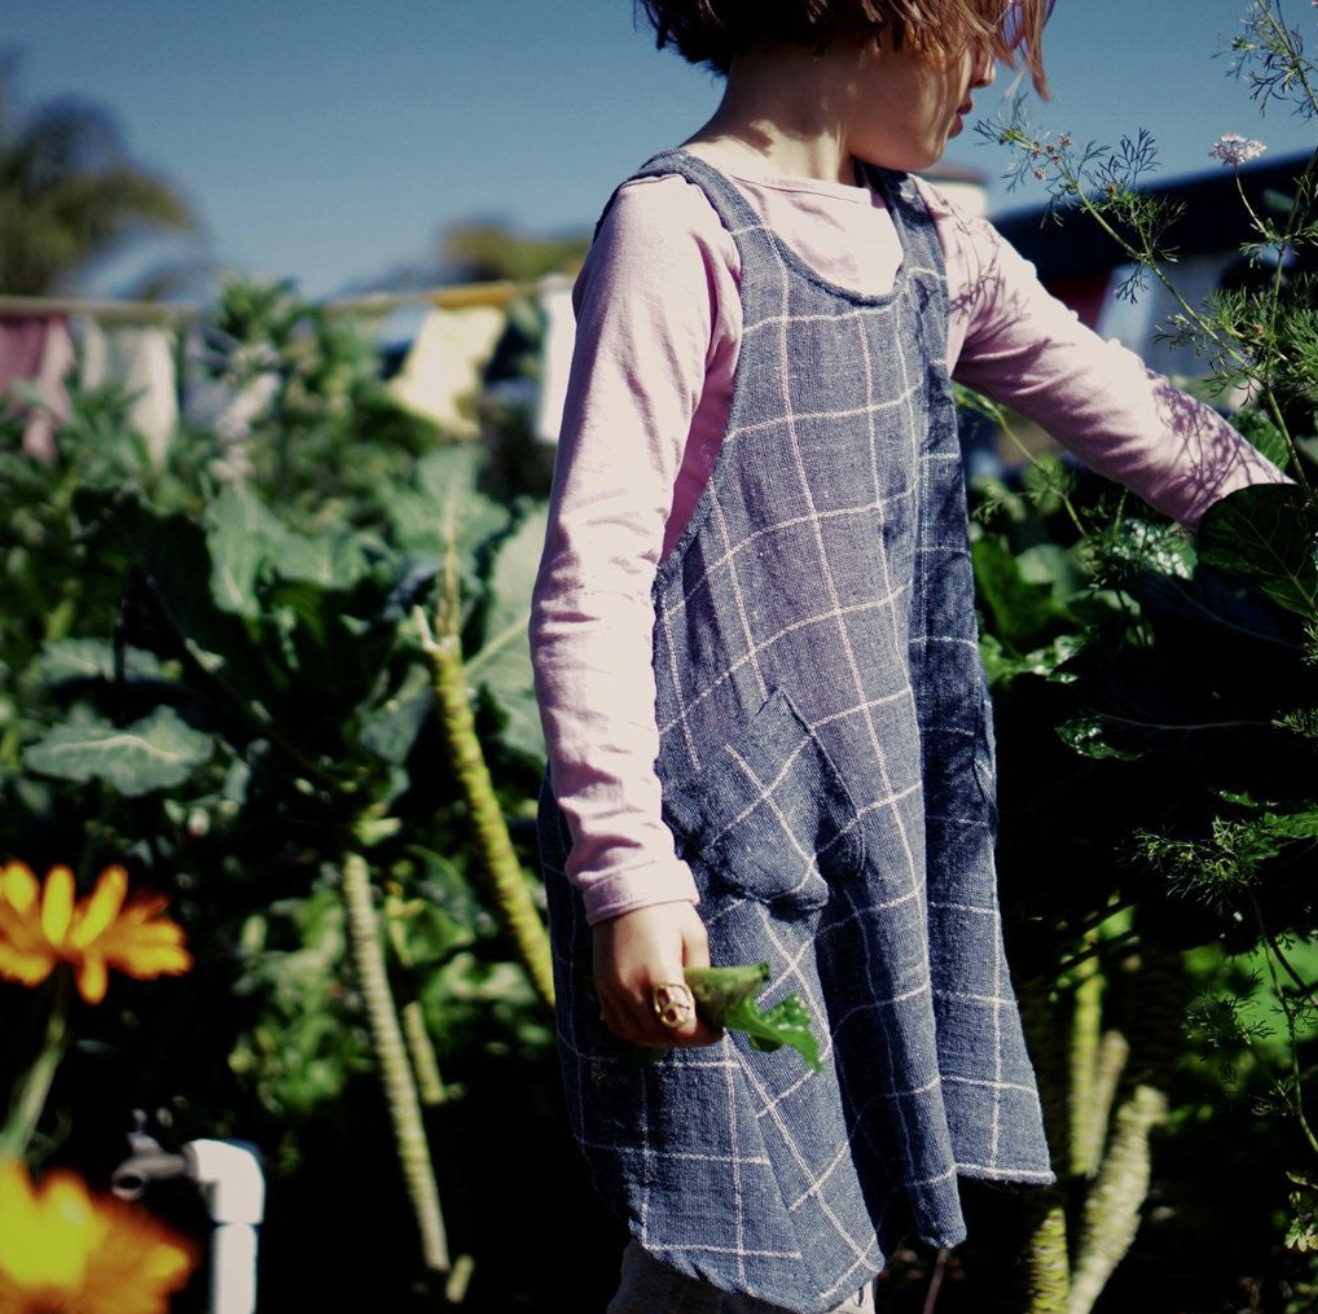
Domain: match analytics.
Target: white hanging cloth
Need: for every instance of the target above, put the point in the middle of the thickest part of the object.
(140, 358)
(440, 378)
(556, 358)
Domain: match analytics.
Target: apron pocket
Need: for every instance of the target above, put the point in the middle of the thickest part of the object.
(769, 817)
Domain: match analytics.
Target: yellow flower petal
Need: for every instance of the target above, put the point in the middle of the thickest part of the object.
(17, 1207)
(19, 886)
(23, 931)
(53, 1230)
(41, 926)
(132, 930)
(100, 909)
(143, 964)
(57, 904)
(144, 949)
(92, 978)
(144, 907)
(64, 1251)
(29, 968)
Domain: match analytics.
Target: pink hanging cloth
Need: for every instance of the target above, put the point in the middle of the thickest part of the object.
(36, 350)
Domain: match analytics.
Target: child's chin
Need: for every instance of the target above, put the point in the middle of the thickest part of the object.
(915, 160)
(911, 159)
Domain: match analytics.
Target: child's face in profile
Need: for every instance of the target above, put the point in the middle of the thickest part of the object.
(909, 104)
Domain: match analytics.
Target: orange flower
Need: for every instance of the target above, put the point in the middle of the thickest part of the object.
(41, 927)
(65, 1251)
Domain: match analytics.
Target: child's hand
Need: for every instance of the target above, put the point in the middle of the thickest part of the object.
(638, 951)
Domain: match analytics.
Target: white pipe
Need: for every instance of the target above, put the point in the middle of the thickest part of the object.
(233, 1269)
(229, 1173)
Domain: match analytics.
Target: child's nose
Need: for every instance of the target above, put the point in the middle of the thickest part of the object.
(984, 68)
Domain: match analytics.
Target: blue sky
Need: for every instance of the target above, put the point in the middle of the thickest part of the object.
(331, 141)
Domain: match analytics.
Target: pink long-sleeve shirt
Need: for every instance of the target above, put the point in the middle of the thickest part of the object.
(658, 334)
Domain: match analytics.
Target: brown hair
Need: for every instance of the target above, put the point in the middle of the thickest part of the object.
(713, 31)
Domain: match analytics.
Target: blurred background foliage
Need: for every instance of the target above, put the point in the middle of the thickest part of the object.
(280, 673)
(216, 671)
(213, 672)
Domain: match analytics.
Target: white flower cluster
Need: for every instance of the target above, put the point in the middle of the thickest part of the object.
(1235, 149)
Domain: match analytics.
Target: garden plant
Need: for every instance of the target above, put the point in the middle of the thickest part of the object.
(267, 733)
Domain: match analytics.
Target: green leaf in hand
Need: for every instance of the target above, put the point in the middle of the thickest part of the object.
(725, 999)
(717, 989)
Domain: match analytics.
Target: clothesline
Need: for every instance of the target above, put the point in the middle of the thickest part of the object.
(455, 296)
(136, 312)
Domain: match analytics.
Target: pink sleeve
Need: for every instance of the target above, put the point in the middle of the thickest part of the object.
(647, 322)
(1024, 347)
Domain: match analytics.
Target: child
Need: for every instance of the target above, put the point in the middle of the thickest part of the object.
(756, 654)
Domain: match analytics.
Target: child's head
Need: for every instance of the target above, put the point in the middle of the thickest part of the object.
(713, 31)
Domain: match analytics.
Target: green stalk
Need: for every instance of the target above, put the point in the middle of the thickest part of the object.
(1047, 1267)
(1283, 36)
(1048, 1273)
(1111, 944)
(997, 414)
(30, 1097)
(1274, 314)
(395, 1073)
(1145, 256)
(512, 895)
(509, 884)
(1112, 1208)
(425, 1064)
(1113, 1053)
(1271, 951)
(1111, 1215)
(1086, 1024)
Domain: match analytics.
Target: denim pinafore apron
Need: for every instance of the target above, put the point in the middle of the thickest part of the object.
(827, 767)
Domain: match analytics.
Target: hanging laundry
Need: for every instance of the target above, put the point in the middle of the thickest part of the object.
(140, 359)
(556, 359)
(36, 353)
(441, 376)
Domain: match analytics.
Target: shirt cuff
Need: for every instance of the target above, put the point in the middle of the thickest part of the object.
(638, 887)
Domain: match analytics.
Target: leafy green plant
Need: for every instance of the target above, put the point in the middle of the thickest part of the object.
(725, 999)
(216, 671)
(1155, 701)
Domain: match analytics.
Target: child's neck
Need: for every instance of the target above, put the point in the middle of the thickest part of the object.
(779, 115)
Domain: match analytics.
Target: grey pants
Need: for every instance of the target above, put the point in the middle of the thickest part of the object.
(649, 1287)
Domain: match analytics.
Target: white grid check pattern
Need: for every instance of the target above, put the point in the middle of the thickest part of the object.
(828, 774)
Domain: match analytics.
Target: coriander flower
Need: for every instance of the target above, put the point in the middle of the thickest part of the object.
(41, 926)
(1236, 150)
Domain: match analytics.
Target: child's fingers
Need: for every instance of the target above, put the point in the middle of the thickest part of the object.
(639, 1015)
(637, 1019)
(695, 953)
(644, 952)
(695, 944)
